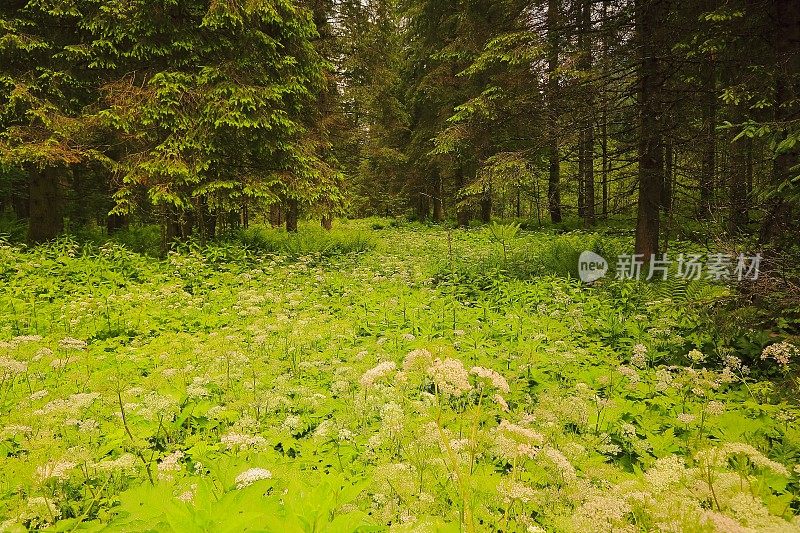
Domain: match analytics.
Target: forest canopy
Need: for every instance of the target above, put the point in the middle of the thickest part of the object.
(200, 115)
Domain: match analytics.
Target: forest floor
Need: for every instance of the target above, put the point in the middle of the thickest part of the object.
(409, 377)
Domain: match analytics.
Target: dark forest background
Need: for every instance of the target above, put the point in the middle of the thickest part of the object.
(677, 117)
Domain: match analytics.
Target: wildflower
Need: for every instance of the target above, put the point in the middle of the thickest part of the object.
(513, 441)
(781, 352)
(512, 490)
(629, 373)
(499, 400)
(12, 367)
(417, 360)
(123, 463)
(408, 337)
(561, 463)
(41, 353)
(54, 470)
(696, 356)
(686, 418)
(628, 431)
(187, 496)
(665, 472)
(732, 362)
(392, 418)
(68, 343)
(639, 357)
(345, 434)
(170, 463)
(197, 389)
(292, 423)
(376, 373)
(497, 381)
(248, 477)
(242, 441)
(715, 408)
(38, 395)
(450, 377)
(718, 456)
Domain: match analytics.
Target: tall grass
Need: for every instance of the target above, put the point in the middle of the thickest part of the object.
(307, 241)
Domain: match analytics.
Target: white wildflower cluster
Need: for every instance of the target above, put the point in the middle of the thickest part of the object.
(562, 464)
(14, 430)
(188, 495)
(665, 472)
(170, 464)
(11, 367)
(73, 404)
(491, 377)
(23, 339)
(378, 372)
(392, 419)
(198, 389)
(512, 491)
(242, 441)
(715, 408)
(250, 476)
(664, 379)
(450, 377)
(400, 478)
(125, 463)
(69, 343)
(718, 457)
(696, 356)
(630, 373)
(417, 360)
(58, 470)
(513, 441)
(639, 356)
(781, 352)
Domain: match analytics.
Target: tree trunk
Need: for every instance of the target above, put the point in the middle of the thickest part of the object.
(581, 172)
(423, 206)
(438, 202)
(292, 214)
(327, 222)
(737, 186)
(486, 206)
(588, 127)
(554, 176)
(245, 215)
(649, 19)
(275, 215)
(604, 126)
(46, 221)
(778, 218)
(709, 141)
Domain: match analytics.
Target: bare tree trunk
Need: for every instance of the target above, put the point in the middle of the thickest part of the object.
(737, 186)
(327, 222)
(709, 142)
(486, 206)
(588, 127)
(787, 50)
(554, 177)
(45, 221)
(604, 120)
(275, 215)
(649, 18)
(292, 214)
